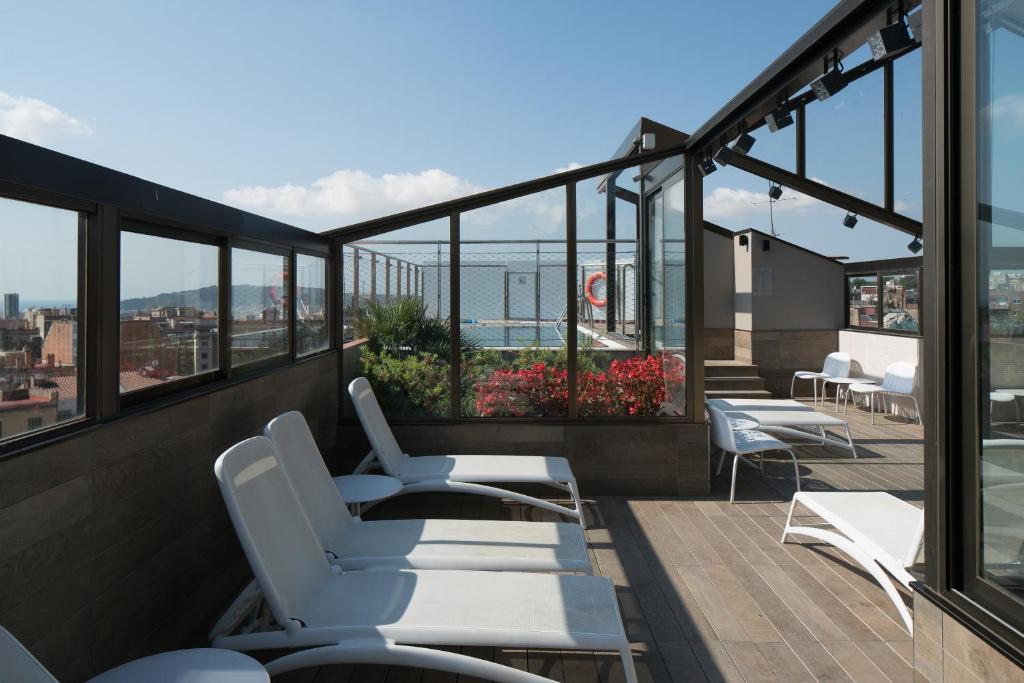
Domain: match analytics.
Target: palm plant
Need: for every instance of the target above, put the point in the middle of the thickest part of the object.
(404, 326)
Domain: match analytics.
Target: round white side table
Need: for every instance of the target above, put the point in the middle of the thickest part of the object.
(357, 489)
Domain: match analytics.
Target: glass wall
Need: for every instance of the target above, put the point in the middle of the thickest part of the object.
(398, 328)
(1000, 297)
(169, 310)
(40, 326)
(901, 302)
(862, 300)
(259, 306)
(311, 333)
(513, 314)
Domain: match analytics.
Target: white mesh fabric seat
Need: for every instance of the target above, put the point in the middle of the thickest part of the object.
(200, 665)
(743, 442)
(415, 543)
(898, 380)
(384, 616)
(460, 473)
(836, 364)
(876, 529)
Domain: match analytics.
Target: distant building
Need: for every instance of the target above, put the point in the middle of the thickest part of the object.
(61, 342)
(25, 409)
(11, 306)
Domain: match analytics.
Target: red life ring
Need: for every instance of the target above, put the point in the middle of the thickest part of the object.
(278, 282)
(589, 289)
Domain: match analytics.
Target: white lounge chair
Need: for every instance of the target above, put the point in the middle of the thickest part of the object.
(898, 381)
(875, 529)
(743, 442)
(394, 616)
(416, 543)
(460, 473)
(836, 364)
(202, 665)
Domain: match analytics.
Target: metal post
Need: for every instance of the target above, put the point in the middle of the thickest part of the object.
(454, 305)
(536, 293)
(387, 279)
(438, 279)
(801, 140)
(398, 279)
(373, 276)
(506, 293)
(355, 275)
(571, 327)
(888, 119)
(408, 278)
(609, 256)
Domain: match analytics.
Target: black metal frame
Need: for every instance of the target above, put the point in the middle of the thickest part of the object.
(107, 203)
(879, 270)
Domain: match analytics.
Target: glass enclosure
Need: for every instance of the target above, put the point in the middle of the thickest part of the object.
(1000, 287)
(259, 306)
(311, 333)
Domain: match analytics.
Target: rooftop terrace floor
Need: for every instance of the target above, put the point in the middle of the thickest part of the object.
(706, 590)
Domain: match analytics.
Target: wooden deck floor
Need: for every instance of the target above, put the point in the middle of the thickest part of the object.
(707, 591)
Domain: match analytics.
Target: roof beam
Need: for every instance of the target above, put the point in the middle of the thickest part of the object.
(827, 194)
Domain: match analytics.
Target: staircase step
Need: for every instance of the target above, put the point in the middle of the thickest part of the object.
(737, 393)
(731, 383)
(729, 368)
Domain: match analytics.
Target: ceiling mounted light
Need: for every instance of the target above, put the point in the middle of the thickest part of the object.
(706, 166)
(829, 84)
(850, 220)
(916, 246)
(889, 40)
(724, 155)
(743, 144)
(915, 21)
(778, 119)
(774, 191)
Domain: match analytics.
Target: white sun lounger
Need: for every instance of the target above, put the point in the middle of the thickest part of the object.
(202, 665)
(416, 543)
(787, 418)
(460, 473)
(395, 616)
(875, 529)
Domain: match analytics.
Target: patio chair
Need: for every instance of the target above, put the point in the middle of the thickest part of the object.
(875, 529)
(202, 665)
(415, 543)
(394, 616)
(836, 364)
(898, 381)
(744, 442)
(459, 473)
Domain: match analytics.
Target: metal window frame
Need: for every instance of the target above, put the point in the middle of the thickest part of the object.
(328, 302)
(287, 357)
(879, 274)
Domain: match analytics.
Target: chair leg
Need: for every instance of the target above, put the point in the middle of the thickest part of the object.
(732, 488)
(917, 408)
(574, 491)
(815, 391)
(721, 461)
(760, 462)
(846, 401)
(849, 440)
(789, 517)
(872, 402)
(796, 469)
(792, 388)
(627, 664)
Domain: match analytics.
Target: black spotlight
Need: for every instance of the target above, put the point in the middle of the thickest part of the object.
(707, 166)
(889, 39)
(724, 155)
(778, 119)
(774, 191)
(850, 220)
(829, 84)
(743, 144)
(916, 246)
(744, 240)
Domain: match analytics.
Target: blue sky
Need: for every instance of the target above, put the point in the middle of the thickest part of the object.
(323, 114)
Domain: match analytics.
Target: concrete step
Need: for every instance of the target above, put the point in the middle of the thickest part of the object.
(728, 368)
(737, 393)
(733, 383)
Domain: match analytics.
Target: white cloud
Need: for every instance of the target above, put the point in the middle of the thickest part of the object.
(36, 121)
(349, 195)
(572, 166)
(1008, 111)
(725, 203)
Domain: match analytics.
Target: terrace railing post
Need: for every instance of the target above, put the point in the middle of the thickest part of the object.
(609, 265)
(398, 279)
(536, 293)
(355, 276)
(387, 279)
(408, 279)
(455, 317)
(571, 298)
(373, 276)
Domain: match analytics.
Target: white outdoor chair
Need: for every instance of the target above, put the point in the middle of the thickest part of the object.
(395, 616)
(898, 381)
(836, 365)
(459, 473)
(203, 665)
(997, 396)
(416, 543)
(744, 442)
(875, 529)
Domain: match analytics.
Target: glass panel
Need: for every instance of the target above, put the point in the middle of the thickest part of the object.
(40, 369)
(1001, 293)
(169, 320)
(311, 333)
(513, 308)
(863, 293)
(901, 295)
(259, 306)
(625, 369)
(400, 342)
